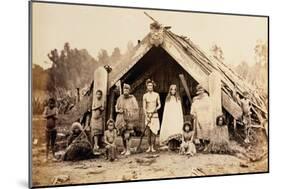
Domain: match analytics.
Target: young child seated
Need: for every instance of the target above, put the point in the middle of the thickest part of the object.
(187, 146)
(110, 136)
(219, 142)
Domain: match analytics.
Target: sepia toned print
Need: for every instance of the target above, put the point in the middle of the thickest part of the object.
(123, 94)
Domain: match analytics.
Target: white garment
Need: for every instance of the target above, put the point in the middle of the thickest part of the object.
(172, 122)
(153, 123)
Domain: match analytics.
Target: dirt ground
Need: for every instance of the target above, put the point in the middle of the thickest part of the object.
(163, 164)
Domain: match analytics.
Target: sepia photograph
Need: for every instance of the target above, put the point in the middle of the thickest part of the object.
(122, 94)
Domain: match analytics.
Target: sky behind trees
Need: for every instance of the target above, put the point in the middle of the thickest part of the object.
(96, 28)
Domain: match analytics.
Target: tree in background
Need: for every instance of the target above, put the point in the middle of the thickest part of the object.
(116, 55)
(71, 69)
(243, 69)
(261, 66)
(217, 52)
(103, 57)
(257, 73)
(130, 47)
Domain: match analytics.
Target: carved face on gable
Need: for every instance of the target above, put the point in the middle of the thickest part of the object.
(156, 34)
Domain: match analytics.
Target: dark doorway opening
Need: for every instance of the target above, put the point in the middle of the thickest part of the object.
(162, 100)
(159, 66)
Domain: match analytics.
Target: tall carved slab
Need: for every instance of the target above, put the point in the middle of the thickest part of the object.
(100, 83)
(215, 93)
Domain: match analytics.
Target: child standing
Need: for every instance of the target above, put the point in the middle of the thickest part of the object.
(246, 117)
(50, 113)
(187, 146)
(110, 136)
(97, 119)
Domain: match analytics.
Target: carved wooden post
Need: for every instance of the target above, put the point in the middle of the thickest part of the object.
(215, 93)
(78, 95)
(100, 83)
(112, 105)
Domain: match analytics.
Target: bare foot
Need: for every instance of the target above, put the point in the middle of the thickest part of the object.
(247, 140)
(123, 152)
(153, 150)
(128, 153)
(54, 159)
(96, 147)
(205, 149)
(148, 150)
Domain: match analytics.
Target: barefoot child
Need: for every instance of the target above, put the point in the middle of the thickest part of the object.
(109, 139)
(187, 146)
(50, 113)
(97, 119)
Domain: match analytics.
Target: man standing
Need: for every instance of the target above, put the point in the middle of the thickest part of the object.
(127, 110)
(151, 104)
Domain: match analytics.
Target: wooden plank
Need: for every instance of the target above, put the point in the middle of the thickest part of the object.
(215, 93)
(112, 105)
(231, 107)
(140, 52)
(184, 83)
(100, 83)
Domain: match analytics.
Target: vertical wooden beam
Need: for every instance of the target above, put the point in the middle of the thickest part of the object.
(234, 124)
(111, 103)
(78, 95)
(185, 86)
(215, 93)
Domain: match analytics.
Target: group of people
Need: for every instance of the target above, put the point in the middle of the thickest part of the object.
(200, 133)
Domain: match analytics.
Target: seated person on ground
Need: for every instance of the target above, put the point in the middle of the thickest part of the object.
(187, 146)
(79, 147)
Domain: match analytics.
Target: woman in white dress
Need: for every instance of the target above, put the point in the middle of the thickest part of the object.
(172, 122)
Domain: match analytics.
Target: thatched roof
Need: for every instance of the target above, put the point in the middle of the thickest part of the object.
(199, 65)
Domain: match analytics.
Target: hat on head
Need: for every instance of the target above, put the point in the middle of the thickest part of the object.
(126, 86)
(150, 81)
(199, 89)
(245, 93)
(110, 121)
